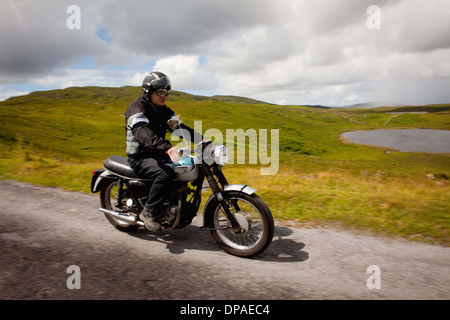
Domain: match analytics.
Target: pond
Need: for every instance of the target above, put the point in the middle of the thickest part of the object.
(406, 140)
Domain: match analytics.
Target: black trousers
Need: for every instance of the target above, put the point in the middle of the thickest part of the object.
(163, 176)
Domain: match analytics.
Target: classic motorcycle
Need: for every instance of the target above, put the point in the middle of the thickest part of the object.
(238, 219)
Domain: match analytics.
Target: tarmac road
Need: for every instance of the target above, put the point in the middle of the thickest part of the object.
(43, 231)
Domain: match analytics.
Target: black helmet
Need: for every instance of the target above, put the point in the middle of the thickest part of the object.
(153, 81)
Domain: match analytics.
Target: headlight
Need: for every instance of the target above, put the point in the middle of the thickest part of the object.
(220, 155)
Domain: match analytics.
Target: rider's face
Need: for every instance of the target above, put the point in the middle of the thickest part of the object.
(157, 100)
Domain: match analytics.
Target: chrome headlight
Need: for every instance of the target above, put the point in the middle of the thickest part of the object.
(220, 154)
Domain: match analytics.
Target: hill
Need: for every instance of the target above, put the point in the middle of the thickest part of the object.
(375, 104)
(57, 137)
(239, 100)
(126, 93)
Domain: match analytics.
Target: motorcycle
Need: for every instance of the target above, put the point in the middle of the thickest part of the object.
(238, 219)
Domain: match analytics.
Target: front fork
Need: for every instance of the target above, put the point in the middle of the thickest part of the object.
(218, 192)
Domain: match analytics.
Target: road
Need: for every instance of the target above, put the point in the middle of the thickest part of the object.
(43, 231)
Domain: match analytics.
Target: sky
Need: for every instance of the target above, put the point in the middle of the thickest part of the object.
(290, 52)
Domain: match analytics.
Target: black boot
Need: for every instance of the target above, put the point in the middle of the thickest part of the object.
(149, 221)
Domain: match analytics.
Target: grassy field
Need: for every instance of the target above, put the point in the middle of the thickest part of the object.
(56, 138)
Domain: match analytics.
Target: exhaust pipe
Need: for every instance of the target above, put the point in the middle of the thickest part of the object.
(120, 216)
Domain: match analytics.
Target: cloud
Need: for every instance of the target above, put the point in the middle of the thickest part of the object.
(34, 39)
(157, 28)
(415, 26)
(186, 72)
(286, 51)
(82, 77)
(338, 59)
(6, 93)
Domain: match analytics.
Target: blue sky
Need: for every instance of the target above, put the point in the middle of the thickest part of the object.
(103, 34)
(285, 51)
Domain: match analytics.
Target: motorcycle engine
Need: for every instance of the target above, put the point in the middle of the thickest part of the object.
(169, 214)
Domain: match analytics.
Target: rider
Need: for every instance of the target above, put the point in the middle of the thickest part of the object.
(147, 148)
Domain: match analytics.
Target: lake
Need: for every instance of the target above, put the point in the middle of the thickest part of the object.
(406, 140)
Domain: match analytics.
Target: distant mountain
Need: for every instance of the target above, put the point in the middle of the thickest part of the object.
(317, 106)
(183, 96)
(127, 93)
(375, 104)
(235, 99)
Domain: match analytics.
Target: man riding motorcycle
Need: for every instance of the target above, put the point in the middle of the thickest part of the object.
(149, 153)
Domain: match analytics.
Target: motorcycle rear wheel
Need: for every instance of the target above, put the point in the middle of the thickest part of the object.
(255, 218)
(109, 201)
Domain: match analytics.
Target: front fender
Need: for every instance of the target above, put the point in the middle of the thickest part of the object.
(239, 187)
(211, 203)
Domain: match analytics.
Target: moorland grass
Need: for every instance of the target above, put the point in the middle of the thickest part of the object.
(56, 138)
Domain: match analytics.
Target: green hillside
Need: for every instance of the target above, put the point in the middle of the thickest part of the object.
(56, 138)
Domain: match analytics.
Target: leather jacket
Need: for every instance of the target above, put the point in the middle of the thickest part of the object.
(146, 127)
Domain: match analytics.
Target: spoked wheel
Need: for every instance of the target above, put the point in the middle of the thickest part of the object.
(256, 227)
(109, 199)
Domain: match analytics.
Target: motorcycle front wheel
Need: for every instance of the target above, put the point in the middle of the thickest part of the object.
(255, 220)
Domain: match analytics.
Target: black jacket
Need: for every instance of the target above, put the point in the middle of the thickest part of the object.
(148, 126)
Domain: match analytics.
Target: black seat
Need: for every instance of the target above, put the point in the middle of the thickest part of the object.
(119, 165)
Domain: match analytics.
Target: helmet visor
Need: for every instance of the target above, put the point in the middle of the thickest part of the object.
(162, 83)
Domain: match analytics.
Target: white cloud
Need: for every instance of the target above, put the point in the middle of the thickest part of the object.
(35, 41)
(137, 79)
(186, 72)
(87, 77)
(6, 93)
(291, 51)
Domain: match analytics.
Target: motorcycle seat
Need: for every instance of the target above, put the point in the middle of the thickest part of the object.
(119, 165)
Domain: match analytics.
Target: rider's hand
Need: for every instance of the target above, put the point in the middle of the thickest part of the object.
(174, 154)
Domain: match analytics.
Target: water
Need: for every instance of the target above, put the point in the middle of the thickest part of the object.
(410, 140)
